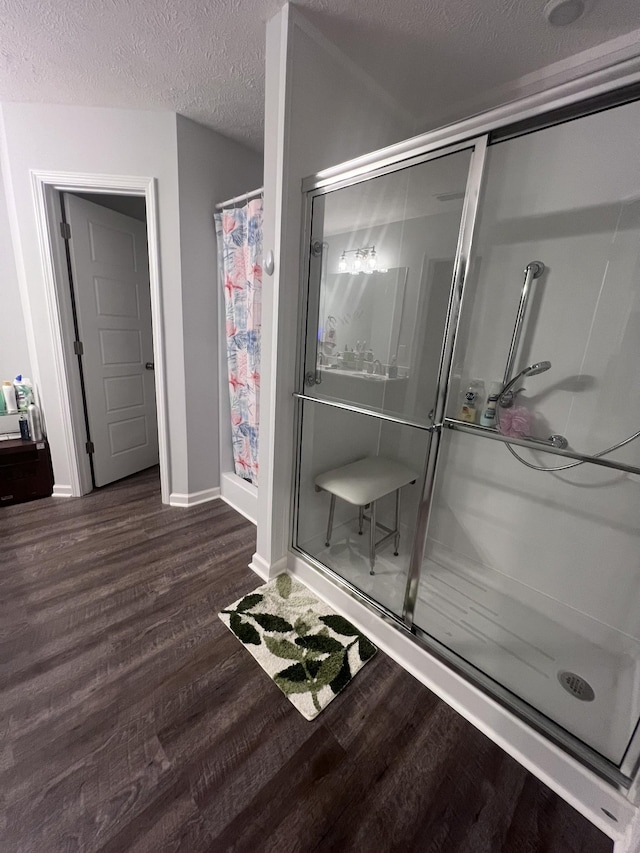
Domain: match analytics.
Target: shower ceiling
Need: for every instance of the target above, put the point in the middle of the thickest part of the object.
(439, 59)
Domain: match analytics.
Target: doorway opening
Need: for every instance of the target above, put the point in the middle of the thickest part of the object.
(101, 259)
(106, 250)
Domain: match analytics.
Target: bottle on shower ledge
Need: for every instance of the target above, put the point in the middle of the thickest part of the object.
(489, 417)
(471, 400)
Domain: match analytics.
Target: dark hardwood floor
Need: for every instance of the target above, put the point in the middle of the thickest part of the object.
(132, 720)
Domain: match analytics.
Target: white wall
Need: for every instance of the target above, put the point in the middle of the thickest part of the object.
(14, 352)
(211, 168)
(320, 109)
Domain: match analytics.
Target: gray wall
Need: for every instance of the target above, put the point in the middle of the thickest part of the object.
(211, 168)
(129, 205)
(14, 354)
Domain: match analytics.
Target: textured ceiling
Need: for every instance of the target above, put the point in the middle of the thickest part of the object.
(205, 58)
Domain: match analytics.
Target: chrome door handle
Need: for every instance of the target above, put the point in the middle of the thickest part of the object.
(149, 365)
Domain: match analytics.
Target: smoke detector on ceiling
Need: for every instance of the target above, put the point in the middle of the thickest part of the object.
(563, 12)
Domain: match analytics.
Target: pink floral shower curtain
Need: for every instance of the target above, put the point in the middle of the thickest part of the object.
(239, 233)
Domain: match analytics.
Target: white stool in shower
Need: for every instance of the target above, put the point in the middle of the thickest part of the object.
(362, 483)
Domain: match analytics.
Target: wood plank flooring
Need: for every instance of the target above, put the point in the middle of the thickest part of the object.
(132, 720)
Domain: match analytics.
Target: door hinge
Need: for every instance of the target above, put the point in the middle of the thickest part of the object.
(65, 230)
(89, 447)
(78, 348)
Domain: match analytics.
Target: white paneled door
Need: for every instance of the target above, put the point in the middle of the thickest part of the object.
(110, 271)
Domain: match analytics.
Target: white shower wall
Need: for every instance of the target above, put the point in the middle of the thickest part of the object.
(569, 197)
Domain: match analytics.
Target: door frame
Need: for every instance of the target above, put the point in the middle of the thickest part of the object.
(46, 186)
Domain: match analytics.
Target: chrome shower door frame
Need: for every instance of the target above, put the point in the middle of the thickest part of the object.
(452, 323)
(312, 258)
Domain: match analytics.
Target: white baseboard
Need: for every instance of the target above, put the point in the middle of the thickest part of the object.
(563, 774)
(267, 570)
(260, 567)
(194, 498)
(240, 495)
(62, 492)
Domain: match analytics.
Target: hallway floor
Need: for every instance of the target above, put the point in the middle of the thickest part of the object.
(132, 720)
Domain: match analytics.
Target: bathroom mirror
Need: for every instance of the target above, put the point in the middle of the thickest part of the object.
(361, 309)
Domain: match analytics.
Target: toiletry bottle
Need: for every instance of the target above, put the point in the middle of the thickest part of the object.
(10, 397)
(472, 397)
(35, 422)
(23, 423)
(488, 418)
(3, 404)
(468, 409)
(24, 392)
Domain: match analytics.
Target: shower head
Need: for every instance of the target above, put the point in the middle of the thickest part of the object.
(535, 369)
(506, 395)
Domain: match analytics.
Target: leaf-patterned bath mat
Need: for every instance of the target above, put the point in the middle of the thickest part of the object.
(309, 651)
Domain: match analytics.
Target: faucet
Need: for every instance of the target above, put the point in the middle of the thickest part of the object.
(378, 369)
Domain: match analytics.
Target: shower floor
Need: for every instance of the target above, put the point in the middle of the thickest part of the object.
(518, 637)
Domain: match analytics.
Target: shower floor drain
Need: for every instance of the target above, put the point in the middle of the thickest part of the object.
(577, 686)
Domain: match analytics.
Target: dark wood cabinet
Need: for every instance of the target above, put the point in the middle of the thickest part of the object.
(25, 471)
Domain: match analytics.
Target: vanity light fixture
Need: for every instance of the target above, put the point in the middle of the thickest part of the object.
(365, 260)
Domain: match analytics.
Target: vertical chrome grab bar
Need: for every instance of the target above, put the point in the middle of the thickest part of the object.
(531, 271)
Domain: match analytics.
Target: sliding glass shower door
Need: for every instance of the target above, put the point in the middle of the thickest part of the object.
(531, 571)
(384, 253)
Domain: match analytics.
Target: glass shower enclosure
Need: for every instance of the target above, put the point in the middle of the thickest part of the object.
(468, 409)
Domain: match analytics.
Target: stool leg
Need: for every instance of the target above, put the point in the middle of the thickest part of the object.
(372, 538)
(397, 536)
(360, 519)
(332, 507)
